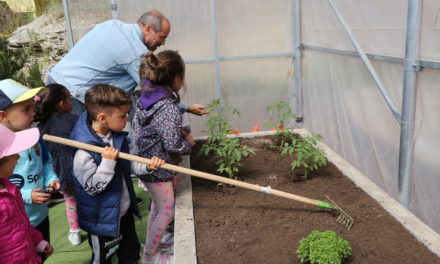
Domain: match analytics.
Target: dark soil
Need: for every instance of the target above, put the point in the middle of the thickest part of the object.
(235, 225)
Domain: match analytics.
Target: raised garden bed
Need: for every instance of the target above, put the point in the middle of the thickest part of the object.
(234, 225)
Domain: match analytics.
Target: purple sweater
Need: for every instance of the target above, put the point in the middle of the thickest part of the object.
(157, 131)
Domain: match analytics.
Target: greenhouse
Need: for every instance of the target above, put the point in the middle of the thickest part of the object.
(360, 77)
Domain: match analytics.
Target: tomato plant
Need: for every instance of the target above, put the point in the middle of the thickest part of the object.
(227, 149)
(308, 155)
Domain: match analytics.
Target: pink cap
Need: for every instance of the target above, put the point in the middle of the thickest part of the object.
(12, 143)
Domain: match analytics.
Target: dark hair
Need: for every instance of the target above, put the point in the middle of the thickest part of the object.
(162, 69)
(153, 18)
(103, 96)
(49, 104)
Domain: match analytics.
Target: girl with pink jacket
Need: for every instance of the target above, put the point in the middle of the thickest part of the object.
(20, 241)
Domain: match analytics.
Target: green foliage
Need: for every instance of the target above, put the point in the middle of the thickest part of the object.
(227, 149)
(10, 62)
(308, 155)
(35, 78)
(218, 125)
(323, 248)
(280, 113)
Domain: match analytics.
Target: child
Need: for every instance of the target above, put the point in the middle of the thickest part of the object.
(53, 108)
(157, 130)
(34, 171)
(19, 239)
(102, 184)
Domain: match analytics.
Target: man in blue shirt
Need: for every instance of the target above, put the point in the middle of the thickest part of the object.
(111, 53)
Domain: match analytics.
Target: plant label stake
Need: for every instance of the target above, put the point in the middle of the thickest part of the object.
(343, 217)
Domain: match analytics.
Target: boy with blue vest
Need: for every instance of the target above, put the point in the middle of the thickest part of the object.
(105, 195)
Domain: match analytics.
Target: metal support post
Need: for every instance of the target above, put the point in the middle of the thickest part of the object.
(298, 67)
(114, 6)
(411, 68)
(218, 91)
(68, 24)
(367, 62)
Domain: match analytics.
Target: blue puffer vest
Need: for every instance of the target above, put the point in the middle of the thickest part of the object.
(99, 214)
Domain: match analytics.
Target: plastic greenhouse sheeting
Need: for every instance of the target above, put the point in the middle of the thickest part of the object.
(341, 101)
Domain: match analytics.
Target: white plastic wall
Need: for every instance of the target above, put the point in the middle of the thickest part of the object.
(343, 104)
(243, 28)
(341, 101)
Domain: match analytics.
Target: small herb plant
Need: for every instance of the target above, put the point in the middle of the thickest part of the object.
(323, 248)
(308, 155)
(227, 149)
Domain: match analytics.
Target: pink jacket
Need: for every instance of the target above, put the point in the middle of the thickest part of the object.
(18, 238)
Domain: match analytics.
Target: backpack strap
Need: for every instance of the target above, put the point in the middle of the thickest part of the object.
(44, 153)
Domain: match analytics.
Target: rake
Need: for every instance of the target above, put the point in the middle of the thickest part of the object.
(329, 204)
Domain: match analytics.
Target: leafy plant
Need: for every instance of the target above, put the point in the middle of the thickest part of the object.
(227, 150)
(34, 78)
(323, 248)
(308, 155)
(218, 125)
(280, 113)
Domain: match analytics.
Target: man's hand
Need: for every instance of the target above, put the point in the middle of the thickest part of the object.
(48, 250)
(197, 109)
(38, 197)
(110, 153)
(155, 163)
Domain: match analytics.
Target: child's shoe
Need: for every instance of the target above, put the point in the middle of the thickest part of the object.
(147, 259)
(158, 258)
(74, 238)
(167, 239)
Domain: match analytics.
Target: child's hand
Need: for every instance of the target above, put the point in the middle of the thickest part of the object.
(48, 250)
(110, 153)
(55, 185)
(155, 163)
(38, 197)
(179, 158)
(190, 139)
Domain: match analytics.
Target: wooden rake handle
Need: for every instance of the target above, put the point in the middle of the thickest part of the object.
(204, 175)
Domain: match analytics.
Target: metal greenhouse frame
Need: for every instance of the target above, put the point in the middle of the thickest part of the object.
(411, 63)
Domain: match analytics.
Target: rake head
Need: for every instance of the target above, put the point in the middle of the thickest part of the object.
(343, 217)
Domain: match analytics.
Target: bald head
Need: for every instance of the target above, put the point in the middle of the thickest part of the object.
(153, 18)
(155, 28)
